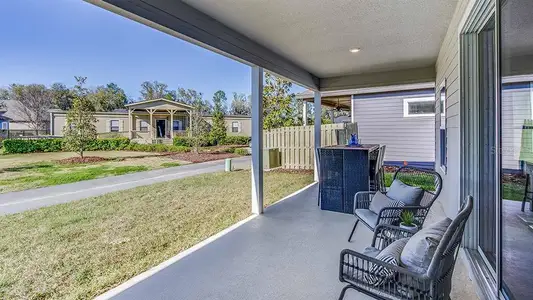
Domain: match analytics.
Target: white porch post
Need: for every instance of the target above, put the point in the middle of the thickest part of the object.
(130, 124)
(171, 112)
(304, 113)
(257, 140)
(151, 112)
(318, 123)
(352, 110)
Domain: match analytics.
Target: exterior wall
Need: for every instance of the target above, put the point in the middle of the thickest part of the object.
(102, 124)
(516, 107)
(245, 124)
(381, 121)
(447, 68)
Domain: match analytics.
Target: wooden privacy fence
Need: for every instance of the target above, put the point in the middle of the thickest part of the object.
(296, 144)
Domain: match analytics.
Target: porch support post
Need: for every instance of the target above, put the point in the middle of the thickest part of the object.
(318, 123)
(352, 110)
(171, 112)
(304, 113)
(130, 124)
(151, 113)
(257, 140)
(190, 122)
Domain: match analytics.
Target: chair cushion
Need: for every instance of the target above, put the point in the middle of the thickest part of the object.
(367, 216)
(379, 275)
(371, 251)
(409, 195)
(379, 201)
(419, 250)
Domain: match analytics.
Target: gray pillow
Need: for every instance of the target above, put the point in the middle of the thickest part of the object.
(378, 274)
(419, 250)
(378, 202)
(409, 195)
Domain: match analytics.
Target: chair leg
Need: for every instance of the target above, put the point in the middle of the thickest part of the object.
(353, 230)
(343, 292)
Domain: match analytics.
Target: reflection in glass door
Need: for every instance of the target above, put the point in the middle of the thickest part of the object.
(516, 136)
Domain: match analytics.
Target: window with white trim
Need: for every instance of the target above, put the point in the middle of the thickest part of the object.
(4, 125)
(419, 107)
(143, 126)
(177, 125)
(113, 126)
(442, 130)
(235, 126)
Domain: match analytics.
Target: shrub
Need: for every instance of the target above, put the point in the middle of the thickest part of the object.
(157, 148)
(108, 144)
(35, 145)
(189, 142)
(241, 151)
(237, 140)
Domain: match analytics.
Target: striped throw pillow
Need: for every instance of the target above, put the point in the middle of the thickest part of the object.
(378, 274)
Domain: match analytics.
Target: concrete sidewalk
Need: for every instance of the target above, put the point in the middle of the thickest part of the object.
(15, 202)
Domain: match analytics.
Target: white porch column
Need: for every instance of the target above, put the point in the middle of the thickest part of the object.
(257, 140)
(171, 112)
(130, 124)
(352, 110)
(318, 123)
(304, 113)
(151, 112)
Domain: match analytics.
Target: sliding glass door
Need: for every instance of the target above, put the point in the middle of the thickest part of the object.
(516, 138)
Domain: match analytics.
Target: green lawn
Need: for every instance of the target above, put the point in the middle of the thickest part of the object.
(27, 171)
(80, 249)
(511, 190)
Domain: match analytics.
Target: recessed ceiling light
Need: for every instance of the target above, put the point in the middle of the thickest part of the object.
(355, 50)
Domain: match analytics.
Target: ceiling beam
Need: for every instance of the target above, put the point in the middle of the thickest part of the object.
(185, 22)
(367, 80)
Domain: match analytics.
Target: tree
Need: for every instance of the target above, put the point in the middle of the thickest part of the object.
(4, 95)
(218, 128)
(108, 97)
(278, 108)
(240, 105)
(198, 129)
(154, 90)
(62, 96)
(33, 103)
(80, 128)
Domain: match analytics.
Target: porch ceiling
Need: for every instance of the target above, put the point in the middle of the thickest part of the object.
(309, 40)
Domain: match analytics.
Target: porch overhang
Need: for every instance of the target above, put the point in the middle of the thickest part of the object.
(306, 41)
(159, 104)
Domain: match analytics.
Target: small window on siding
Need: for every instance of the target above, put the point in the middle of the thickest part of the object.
(235, 126)
(114, 126)
(443, 130)
(4, 125)
(178, 125)
(418, 107)
(143, 126)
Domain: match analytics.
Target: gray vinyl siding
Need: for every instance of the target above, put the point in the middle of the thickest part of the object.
(381, 121)
(516, 107)
(447, 68)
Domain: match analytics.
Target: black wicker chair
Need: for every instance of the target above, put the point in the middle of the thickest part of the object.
(376, 181)
(435, 284)
(430, 181)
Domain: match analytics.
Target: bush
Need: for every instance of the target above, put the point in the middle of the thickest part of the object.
(237, 140)
(188, 142)
(108, 144)
(157, 148)
(28, 146)
(241, 151)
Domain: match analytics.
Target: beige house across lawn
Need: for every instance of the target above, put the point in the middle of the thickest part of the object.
(150, 120)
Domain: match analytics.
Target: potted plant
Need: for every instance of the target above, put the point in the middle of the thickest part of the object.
(407, 219)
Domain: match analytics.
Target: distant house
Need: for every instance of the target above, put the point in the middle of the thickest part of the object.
(149, 120)
(400, 117)
(4, 121)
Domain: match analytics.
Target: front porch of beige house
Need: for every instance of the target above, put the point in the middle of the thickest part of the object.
(157, 120)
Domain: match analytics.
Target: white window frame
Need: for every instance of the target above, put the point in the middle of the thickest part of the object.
(238, 126)
(406, 102)
(4, 125)
(111, 125)
(180, 124)
(141, 126)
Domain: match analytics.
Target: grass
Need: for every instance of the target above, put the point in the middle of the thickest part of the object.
(27, 171)
(511, 190)
(80, 249)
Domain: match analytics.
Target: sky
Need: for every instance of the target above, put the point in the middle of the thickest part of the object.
(54, 40)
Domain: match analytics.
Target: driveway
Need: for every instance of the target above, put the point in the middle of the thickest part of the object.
(16, 202)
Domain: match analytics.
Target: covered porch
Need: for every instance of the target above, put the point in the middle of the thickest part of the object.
(157, 119)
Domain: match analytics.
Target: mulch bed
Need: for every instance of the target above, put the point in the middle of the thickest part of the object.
(291, 171)
(201, 157)
(514, 178)
(79, 160)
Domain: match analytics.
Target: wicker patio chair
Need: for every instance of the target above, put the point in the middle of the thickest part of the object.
(430, 181)
(435, 284)
(317, 155)
(376, 182)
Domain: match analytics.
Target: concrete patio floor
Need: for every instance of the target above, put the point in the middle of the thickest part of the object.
(290, 252)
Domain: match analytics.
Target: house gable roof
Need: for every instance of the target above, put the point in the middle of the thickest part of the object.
(160, 103)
